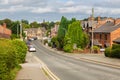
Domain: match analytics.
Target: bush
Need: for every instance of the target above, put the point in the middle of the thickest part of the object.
(21, 50)
(108, 52)
(68, 48)
(96, 49)
(115, 46)
(11, 54)
(115, 53)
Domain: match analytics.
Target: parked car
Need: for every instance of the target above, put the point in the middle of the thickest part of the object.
(31, 39)
(31, 48)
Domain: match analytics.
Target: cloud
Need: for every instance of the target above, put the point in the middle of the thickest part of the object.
(42, 10)
(12, 9)
(70, 3)
(3, 2)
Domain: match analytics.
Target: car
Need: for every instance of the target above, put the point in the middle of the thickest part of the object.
(31, 48)
(35, 38)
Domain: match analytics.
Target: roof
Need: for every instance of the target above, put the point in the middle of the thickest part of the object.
(107, 28)
(117, 40)
(88, 23)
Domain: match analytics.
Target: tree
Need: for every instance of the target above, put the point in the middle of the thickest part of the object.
(8, 23)
(51, 25)
(25, 21)
(34, 25)
(75, 35)
(62, 31)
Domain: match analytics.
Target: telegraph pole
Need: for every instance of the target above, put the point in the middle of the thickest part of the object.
(21, 30)
(92, 30)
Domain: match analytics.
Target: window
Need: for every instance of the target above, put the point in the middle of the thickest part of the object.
(100, 36)
(105, 36)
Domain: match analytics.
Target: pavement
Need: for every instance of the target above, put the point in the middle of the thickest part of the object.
(31, 70)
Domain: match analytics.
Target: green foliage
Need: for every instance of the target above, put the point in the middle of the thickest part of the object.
(55, 42)
(34, 25)
(68, 48)
(21, 50)
(75, 35)
(62, 30)
(108, 52)
(115, 46)
(96, 49)
(11, 54)
(113, 52)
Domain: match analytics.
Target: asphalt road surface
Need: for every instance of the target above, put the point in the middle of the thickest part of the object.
(67, 68)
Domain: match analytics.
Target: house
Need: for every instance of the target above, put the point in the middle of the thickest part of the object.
(107, 34)
(4, 31)
(92, 24)
(33, 32)
(54, 30)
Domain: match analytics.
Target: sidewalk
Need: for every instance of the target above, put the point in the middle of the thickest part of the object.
(31, 70)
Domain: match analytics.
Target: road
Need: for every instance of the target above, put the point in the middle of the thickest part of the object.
(71, 69)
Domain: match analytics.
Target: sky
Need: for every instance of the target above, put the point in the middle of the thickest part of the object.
(53, 10)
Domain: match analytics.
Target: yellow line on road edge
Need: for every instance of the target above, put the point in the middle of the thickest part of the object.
(54, 77)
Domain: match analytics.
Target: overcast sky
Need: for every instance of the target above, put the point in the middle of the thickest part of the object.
(52, 10)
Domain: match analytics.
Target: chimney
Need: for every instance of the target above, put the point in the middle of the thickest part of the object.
(4, 25)
(115, 21)
(99, 19)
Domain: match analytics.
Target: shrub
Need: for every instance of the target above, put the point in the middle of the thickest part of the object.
(11, 54)
(115, 53)
(68, 48)
(108, 52)
(115, 46)
(96, 49)
(21, 50)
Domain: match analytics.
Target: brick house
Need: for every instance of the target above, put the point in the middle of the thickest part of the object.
(34, 32)
(4, 31)
(93, 24)
(54, 30)
(107, 34)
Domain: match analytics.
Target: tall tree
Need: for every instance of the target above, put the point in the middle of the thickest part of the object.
(62, 30)
(75, 35)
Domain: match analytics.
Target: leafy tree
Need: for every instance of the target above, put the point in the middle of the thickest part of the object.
(25, 25)
(51, 25)
(62, 30)
(34, 25)
(45, 25)
(25, 21)
(75, 35)
(8, 22)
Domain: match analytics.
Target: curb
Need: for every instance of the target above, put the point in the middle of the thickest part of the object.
(45, 68)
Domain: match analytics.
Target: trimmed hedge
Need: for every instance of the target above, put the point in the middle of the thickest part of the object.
(113, 52)
(12, 53)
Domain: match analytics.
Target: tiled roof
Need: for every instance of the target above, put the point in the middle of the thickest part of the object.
(107, 28)
(117, 40)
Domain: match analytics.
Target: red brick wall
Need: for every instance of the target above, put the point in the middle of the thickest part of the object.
(114, 35)
(4, 32)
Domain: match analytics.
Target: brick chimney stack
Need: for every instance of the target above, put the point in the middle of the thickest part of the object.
(4, 25)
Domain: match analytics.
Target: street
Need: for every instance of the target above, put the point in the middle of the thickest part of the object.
(71, 69)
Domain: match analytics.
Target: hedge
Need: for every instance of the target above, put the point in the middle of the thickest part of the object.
(12, 53)
(113, 52)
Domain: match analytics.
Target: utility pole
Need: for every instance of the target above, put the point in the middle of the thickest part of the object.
(20, 30)
(92, 30)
